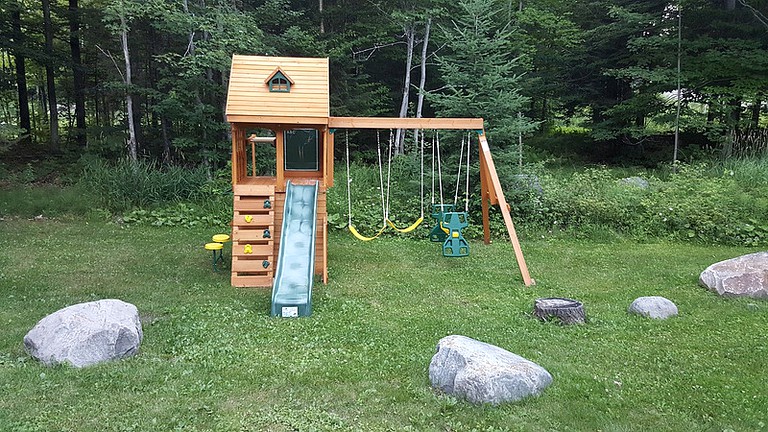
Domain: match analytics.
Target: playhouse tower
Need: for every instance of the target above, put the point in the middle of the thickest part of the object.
(280, 102)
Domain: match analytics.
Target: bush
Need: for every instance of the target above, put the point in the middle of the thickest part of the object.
(126, 185)
(691, 204)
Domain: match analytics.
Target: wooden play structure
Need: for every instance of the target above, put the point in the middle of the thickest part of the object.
(289, 98)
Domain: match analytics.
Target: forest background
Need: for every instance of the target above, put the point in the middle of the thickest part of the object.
(91, 90)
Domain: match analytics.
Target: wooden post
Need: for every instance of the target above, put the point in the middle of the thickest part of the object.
(329, 149)
(327, 158)
(485, 156)
(325, 250)
(485, 197)
(279, 153)
(253, 159)
(235, 147)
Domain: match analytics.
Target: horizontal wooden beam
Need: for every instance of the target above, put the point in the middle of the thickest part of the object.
(277, 120)
(362, 122)
(404, 123)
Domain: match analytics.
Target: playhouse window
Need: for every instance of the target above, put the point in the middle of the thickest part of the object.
(279, 83)
(301, 150)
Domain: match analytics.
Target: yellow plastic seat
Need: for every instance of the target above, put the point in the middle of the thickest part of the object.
(218, 253)
(221, 238)
(214, 246)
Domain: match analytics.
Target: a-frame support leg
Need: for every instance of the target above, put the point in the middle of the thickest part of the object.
(485, 195)
(492, 189)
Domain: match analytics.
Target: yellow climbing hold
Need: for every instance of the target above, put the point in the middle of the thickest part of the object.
(248, 249)
(248, 218)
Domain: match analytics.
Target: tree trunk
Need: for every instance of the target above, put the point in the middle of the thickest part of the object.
(422, 78)
(53, 109)
(322, 19)
(166, 140)
(756, 107)
(78, 73)
(567, 311)
(96, 93)
(711, 111)
(132, 143)
(25, 122)
(409, 36)
(191, 37)
(735, 114)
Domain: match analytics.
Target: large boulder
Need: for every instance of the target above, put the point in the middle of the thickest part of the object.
(653, 307)
(744, 276)
(483, 373)
(86, 334)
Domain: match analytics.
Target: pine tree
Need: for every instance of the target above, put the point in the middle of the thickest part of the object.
(482, 72)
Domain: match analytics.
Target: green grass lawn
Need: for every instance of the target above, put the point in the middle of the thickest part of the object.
(212, 358)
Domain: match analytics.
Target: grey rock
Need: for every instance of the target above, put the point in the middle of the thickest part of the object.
(527, 183)
(653, 307)
(483, 373)
(85, 334)
(638, 182)
(744, 276)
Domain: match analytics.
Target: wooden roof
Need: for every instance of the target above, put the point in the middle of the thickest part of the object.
(250, 101)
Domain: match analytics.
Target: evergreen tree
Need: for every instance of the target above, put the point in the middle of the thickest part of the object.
(482, 71)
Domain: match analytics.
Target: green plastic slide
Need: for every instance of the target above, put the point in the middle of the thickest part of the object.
(292, 291)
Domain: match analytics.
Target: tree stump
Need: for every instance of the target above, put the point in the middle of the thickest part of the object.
(568, 311)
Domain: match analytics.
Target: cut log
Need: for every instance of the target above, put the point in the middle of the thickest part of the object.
(568, 311)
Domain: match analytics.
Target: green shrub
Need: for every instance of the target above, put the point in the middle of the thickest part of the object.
(690, 204)
(126, 185)
(181, 214)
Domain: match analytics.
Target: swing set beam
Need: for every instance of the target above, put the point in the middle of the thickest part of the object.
(404, 123)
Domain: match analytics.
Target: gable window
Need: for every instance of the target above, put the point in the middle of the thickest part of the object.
(279, 83)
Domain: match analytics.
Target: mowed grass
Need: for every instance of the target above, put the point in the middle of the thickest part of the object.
(212, 358)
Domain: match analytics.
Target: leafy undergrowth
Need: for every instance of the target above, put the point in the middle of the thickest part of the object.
(212, 358)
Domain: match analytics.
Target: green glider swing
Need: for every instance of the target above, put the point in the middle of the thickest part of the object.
(448, 222)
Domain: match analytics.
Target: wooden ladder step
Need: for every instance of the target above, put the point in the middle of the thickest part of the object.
(251, 281)
(251, 234)
(257, 220)
(254, 266)
(253, 190)
(240, 249)
(254, 203)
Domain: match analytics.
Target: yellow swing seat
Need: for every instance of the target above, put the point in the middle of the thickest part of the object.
(355, 233)
(408, 229)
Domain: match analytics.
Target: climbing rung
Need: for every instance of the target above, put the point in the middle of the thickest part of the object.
(256, 234)
(256, 249)
(254, 204)
(255, 220)
(255, 266)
